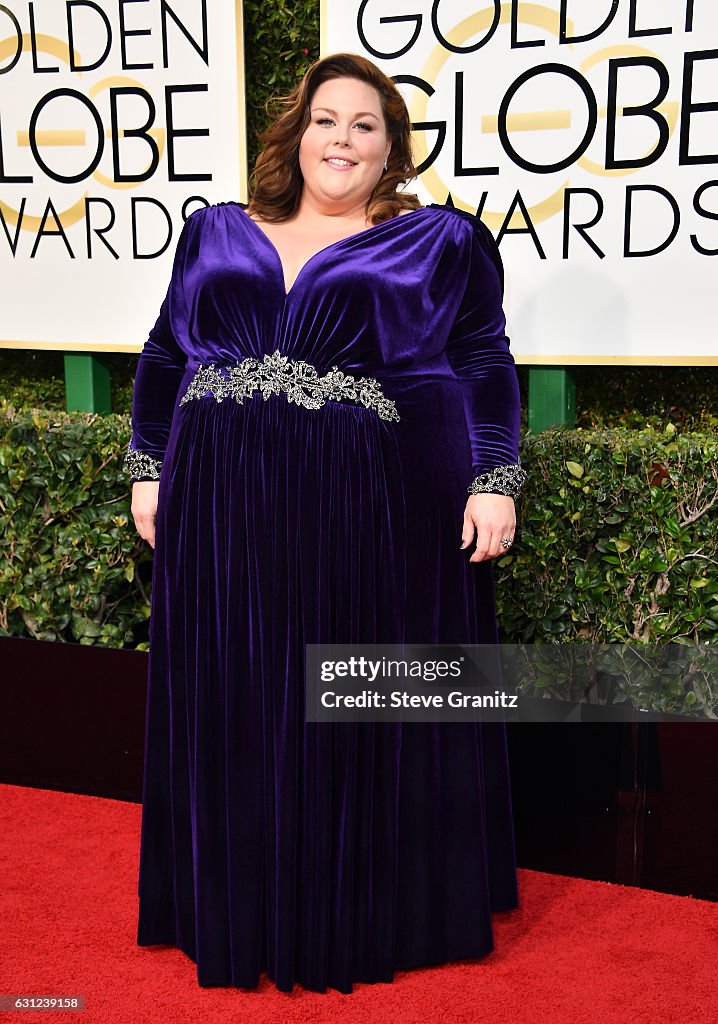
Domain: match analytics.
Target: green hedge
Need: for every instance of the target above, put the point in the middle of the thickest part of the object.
(616, 539)
(72, 567)
(616, 535)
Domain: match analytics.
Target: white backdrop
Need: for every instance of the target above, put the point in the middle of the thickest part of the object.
(517, 109)
(63, 282)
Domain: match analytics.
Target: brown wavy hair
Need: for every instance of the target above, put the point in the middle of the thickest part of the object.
(275, 184)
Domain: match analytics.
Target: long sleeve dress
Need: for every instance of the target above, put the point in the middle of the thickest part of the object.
(314, 450)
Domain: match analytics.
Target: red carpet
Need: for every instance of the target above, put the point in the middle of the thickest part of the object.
(575, 952)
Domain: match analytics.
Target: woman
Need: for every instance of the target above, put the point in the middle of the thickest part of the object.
(328, 377)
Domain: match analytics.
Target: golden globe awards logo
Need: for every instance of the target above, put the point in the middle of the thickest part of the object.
(586, 127)
(101, 107)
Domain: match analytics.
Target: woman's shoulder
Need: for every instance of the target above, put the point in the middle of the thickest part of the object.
(202, 216)
(477, 236)
(208, 209)
(474, 224)
(196, 223)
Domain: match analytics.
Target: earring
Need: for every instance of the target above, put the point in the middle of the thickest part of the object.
(385, 165)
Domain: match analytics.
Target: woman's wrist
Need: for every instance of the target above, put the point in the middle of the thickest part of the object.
(140, 465)
(507, 479)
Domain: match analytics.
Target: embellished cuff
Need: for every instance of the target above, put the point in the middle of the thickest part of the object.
(500, 480)
(140, 465)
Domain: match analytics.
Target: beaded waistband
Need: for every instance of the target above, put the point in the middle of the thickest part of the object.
(298, 380)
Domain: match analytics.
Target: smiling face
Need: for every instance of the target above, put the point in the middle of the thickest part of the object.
(343, 149)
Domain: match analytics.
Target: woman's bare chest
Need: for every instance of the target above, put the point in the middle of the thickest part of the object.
(295, 245)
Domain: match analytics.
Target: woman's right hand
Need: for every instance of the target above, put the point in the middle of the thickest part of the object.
(144, 508)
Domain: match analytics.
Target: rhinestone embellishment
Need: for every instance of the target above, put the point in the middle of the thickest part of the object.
(140, 464)
(500, 480)
(298, 380)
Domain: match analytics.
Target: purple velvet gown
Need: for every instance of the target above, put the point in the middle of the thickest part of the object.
(300, 508)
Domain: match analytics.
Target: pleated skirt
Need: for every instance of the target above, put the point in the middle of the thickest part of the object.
(323, 854)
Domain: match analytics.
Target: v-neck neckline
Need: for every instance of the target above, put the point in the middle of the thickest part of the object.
(325, 248)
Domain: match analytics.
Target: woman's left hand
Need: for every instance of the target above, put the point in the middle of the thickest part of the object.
(490, 517)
